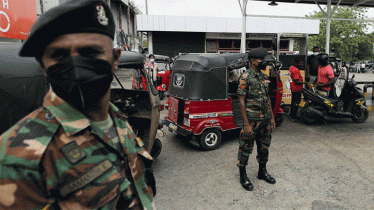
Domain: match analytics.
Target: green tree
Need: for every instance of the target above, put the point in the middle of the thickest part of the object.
(348, 39)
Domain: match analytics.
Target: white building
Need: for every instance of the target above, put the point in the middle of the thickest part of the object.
(171, 35)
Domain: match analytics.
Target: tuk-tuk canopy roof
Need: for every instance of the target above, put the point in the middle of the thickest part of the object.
(204, 76)
(205, 62)
(12, 65)
(22, 85)
(130, 59)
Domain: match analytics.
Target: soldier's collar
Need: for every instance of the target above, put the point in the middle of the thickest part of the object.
(71, 120)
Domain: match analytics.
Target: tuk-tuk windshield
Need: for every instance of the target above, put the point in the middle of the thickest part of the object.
(163, 65)
(134, 60)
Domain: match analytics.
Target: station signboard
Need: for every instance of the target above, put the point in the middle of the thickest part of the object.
(17, 18)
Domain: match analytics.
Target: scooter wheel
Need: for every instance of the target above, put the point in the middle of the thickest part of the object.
(308, 117)
(210, 139)
(360, 115)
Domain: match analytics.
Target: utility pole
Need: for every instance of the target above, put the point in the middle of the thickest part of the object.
(327, 50)
(243, 9)
(146, 7)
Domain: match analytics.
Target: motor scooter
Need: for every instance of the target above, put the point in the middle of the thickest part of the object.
(349, 102)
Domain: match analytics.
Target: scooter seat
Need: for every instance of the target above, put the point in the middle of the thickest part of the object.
(331, 100)
(334, 102)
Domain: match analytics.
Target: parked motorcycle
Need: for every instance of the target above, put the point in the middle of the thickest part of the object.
(349, 102)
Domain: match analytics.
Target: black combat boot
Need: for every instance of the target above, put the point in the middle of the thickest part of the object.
(263, 174)
(244, 179)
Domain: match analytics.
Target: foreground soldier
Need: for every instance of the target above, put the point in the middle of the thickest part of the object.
(255, 108)
(77, 151)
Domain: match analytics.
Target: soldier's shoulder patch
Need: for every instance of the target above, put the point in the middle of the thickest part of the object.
(73, 152)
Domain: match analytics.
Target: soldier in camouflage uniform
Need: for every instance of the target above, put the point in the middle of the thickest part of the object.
(78, 150)
(257, 116)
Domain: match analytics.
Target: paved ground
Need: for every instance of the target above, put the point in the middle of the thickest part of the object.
(323, 166)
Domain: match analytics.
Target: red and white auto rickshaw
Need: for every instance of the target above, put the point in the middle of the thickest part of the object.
(163, 75)
(202, 101)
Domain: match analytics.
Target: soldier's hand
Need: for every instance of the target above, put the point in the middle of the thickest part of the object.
(272, 124)
(248, 131)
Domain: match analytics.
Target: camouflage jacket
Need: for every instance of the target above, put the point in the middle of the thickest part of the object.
(255, 86)
(55, 156)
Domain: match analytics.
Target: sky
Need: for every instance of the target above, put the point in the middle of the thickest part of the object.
(225, 8)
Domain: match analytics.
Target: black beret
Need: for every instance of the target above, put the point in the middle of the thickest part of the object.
(259, 52)
(76, 16)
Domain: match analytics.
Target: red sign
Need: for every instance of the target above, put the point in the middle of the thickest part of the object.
(16, 18)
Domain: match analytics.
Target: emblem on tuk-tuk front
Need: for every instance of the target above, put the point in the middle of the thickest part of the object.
(179, 80)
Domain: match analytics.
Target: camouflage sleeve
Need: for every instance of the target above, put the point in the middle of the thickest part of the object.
(243, 84)
(21, 186)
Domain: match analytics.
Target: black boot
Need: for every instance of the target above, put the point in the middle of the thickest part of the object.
(263, 174)
(244, 179)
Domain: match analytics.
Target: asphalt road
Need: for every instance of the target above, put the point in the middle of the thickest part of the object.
(322, 166)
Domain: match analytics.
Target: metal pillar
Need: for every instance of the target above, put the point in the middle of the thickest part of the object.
(150, 42)
(243, 8)
(146, 7)
(327, 50)
(278, 46)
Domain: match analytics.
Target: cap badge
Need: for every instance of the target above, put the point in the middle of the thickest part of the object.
(101, 16)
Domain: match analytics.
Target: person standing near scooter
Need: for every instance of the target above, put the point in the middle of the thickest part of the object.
(326, 77)
(255, 108)
(296, 86)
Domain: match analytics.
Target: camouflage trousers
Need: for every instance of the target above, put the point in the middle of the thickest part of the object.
(262, 136)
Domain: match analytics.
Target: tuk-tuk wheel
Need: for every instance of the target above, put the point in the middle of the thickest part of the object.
(210, 139)
(279, 119)
(156, 149)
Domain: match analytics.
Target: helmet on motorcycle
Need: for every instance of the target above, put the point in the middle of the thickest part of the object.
(323, 59)
(270, 58)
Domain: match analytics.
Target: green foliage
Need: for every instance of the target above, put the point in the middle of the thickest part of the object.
(145, 43)
(348, 39)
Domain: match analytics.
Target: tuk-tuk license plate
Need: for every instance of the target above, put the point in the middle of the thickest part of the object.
(172, 126)
(302, 104)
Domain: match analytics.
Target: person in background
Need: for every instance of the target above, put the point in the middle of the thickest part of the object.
(362, 67)
(296, 86)
(258, 119)
(152, 66)
(78, 150)
(312, 66)
(326, 77)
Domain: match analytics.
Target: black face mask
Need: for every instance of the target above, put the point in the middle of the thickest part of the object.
(262, 65)
(81, 81)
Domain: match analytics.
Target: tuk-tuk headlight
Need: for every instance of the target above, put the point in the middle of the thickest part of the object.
(186, 122)
(163, 86)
